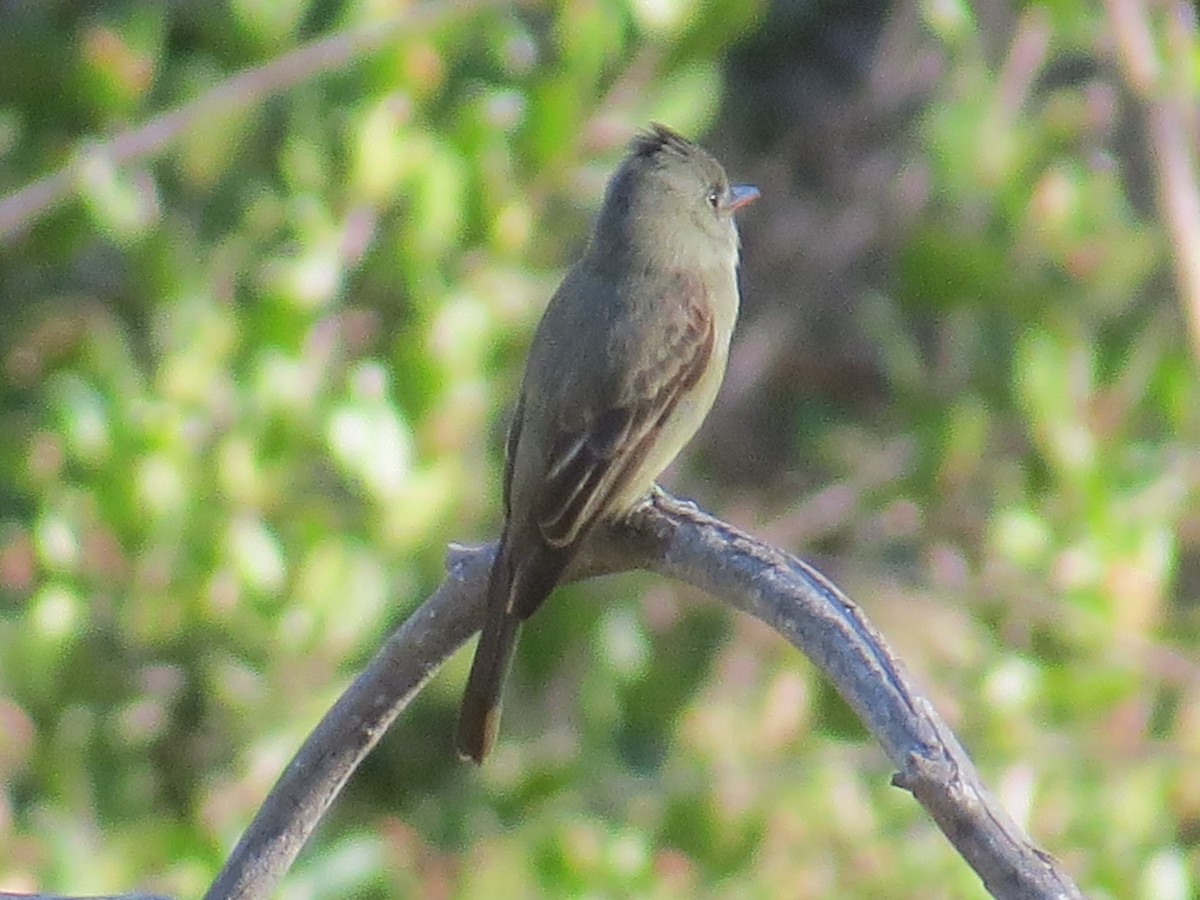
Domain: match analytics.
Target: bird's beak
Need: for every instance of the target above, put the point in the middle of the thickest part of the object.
(741, 195)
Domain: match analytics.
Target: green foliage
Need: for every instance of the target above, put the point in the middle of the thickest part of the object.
(1041, 359)
(249, 389)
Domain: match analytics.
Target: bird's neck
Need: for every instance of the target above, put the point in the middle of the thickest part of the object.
(647, 243)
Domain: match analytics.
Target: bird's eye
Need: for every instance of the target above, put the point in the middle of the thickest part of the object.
(714, 196)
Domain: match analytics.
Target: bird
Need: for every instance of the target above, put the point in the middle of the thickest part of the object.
(624, 366)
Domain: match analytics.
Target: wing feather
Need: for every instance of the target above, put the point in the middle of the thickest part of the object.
(587, 467)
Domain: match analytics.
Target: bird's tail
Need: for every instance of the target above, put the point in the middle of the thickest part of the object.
(516, 588)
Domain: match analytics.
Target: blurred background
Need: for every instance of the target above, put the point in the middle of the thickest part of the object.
(256, 362)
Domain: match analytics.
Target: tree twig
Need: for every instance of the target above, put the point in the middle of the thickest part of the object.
(674, 539)
(21, 208)
(1165, 90)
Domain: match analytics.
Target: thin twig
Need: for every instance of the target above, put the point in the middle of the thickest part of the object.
(1164, 88)
(674, 539)
(21, 208)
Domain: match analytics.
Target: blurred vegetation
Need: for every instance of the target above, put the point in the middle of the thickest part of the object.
(249, 389)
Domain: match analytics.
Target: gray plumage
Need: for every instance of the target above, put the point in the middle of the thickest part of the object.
(623, 368)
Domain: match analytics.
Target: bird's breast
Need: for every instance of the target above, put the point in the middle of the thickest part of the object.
(694, 405)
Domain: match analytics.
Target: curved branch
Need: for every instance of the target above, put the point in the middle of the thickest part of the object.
(20, 208)
(671, 538)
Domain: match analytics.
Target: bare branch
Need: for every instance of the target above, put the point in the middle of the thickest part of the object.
(21, 208)
(675, 539)
(352, 727)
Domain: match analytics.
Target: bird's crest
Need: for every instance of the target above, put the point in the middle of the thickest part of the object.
(660, 139)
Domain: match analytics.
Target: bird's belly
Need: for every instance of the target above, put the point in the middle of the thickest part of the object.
(675, 432)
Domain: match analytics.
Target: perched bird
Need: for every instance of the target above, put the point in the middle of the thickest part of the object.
(623, 368)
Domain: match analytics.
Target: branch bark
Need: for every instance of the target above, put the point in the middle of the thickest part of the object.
(675, 539)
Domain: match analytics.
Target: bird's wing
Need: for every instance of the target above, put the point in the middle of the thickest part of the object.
(588, 465)
(510, 453)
